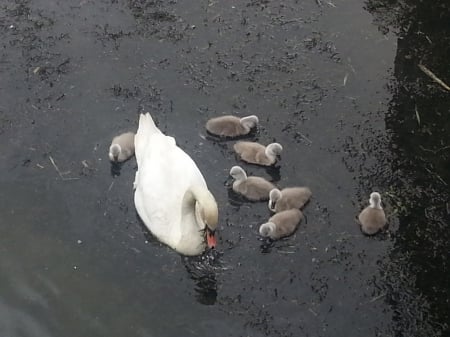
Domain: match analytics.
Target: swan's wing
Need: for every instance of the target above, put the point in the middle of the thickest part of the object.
(165, 174)
(146, 130)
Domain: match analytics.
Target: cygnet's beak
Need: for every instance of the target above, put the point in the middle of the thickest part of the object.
(228, 182)
(272, 204)
(210, 238)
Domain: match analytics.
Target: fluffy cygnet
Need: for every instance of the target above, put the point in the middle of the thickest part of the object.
(256, 153)
(231, 126)
(281, 224)
(372, 218)
(253, 188)
(287, 198)
(122, 147)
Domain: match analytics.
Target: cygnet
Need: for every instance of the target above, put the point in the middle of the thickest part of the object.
(372, 218)
(287, 198)
(122, 147)
(281, 224)
(255, 153)
(231, 126)
(253, 188)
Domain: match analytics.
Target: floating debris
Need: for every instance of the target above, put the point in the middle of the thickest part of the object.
(417, 115)
(61, 174)
(434, 77)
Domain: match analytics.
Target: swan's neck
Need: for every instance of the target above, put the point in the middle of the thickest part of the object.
(190, 209)
(270, 153)
(248, 122)
(375, 203)
(241, 177)
(196, 200)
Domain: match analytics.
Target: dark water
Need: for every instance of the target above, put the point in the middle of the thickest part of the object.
(337, 83)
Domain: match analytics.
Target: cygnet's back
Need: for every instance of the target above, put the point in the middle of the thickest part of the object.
(372, 218)
(122, 147)
(255, 153)
(281, 224)
(289, 197)
(231, 126)
(252, 188)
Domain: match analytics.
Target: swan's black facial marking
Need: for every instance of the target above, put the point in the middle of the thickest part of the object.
(210, 237)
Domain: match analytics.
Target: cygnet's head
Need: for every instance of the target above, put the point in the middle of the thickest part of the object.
(375, 200)
(266, 229)
(249, 122)
(274, 196)
(114, 152)
(274, 148)
(238, 173)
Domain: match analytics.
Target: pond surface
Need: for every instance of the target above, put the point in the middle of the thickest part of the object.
(337, 83)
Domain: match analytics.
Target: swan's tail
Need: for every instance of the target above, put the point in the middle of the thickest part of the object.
(146, 130)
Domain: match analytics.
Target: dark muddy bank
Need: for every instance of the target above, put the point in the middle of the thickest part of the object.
(337, 83)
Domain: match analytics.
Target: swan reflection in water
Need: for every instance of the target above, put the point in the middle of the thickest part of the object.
(202, 270)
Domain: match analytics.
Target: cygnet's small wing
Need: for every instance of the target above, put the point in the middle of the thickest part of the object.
(251, 152)
(286, 222)
(227, 126)
(257, 188)
(372, 220)
(293, 197)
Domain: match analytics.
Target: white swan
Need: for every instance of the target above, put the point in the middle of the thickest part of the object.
(171, 195)
(255, 153)
(122, 147)
(372, 218)
(231, 126)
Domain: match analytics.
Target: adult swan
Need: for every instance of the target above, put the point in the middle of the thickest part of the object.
(171, 195)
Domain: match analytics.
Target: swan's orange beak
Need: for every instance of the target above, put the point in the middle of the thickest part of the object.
(211, 238)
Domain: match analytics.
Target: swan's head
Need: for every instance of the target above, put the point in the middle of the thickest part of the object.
(114, 152)
(274, 149)
(249, 122)
(210, 217)
(375, 200)
(274, 196)
(267, 229)
(238, 173)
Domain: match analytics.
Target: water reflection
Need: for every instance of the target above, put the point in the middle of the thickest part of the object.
(416, 278)
(115, 169)
(202, 270)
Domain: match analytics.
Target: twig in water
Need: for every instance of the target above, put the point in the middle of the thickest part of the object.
(434, 77)
(285, 252)
(417, 115)
(59, 172)
(376, 298)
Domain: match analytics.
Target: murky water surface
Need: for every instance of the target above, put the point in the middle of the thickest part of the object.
(336, 82)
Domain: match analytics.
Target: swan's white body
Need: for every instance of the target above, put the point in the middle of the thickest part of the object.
(171, 195)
